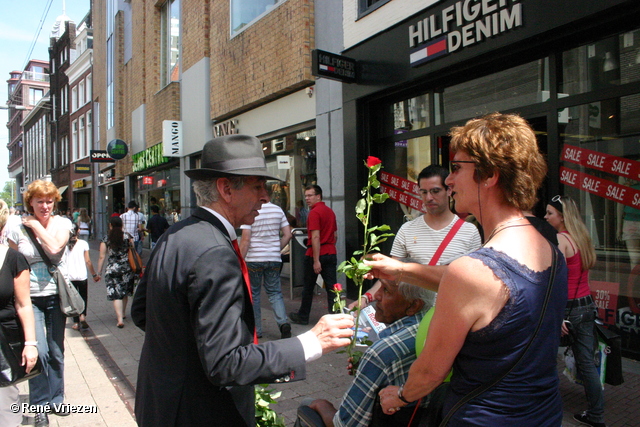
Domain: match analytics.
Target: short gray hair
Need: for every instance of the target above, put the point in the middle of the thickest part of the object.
(412, 292)
(207, 190)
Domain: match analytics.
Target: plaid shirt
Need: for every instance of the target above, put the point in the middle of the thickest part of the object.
(130, 221)
(386, 362)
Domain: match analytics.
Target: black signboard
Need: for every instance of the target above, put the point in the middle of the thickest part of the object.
(332, 66)
(82, 168)
(101, 156)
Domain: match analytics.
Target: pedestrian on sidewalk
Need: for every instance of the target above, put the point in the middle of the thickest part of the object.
(157, 225)
(321, 256)
(16, 316)
(580, 314)
(84, 223)
(200, 357)
(260, 246)
(118, 275)
(53, 232)
(78, 261)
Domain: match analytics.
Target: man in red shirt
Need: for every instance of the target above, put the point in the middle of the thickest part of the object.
(321, 253)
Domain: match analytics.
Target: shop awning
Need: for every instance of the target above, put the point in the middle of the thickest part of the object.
(63, 189)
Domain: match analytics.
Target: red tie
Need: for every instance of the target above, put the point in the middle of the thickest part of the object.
(247, 281)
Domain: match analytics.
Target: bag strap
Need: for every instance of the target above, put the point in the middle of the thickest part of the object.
(3, 253)
(443, 245)
(38, 246)
(481, 389)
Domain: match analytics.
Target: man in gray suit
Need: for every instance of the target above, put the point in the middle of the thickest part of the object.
(200, 356)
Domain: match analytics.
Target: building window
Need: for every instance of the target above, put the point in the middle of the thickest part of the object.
(74, 141)
(63, 99)
(89, 88)
(82, 147)
(246, 12)
(81, 94)
(74, 99)
(35, 95)
(89, 131)
(367, 6)
(170, 48)
(112, 9)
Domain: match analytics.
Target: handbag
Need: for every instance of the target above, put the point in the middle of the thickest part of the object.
(613, 350)
(482, 388)
(71, 303)
(11, 371)
(135, 262)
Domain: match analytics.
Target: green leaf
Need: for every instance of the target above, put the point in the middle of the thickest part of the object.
(360, 252)
(375, 183)
(384, 227)
(380, 197)
(361, 206)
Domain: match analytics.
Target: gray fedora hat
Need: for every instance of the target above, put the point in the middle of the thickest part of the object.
(232, 155)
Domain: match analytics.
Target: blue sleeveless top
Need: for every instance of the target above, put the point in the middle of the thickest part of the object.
(529, 395)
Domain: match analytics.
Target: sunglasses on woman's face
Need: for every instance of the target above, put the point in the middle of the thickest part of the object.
(454, 166)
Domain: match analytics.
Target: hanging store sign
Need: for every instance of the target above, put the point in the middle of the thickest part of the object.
(172, 139)
(81, 168)
(100, 156)
(332, 66)
(460, 25)
(117, 149)
(147, 180)
(149, 158)
(600, 187)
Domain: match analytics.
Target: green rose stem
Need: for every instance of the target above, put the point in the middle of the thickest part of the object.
(354, 268)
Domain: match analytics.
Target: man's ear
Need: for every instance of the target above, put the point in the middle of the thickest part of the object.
(415, 306)
(224, 188)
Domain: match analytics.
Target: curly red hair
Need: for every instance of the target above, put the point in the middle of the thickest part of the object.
(40, 188)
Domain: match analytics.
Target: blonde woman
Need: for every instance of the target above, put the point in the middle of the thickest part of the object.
(84, 225)
(580, 313)
(16, 315)
(53, 232)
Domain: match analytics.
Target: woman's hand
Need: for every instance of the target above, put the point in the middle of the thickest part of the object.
(29, 357)
(29, 221)
(564, 329)
(389, 400)
(383, 267)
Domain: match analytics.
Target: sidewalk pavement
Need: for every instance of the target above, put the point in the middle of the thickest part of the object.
(101, 366)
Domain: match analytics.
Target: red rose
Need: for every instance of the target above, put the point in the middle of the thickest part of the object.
(337, 287)
(372, 161)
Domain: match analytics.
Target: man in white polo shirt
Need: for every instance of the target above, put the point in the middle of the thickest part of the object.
(260, 246)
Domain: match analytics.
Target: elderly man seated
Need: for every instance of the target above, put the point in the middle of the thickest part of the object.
(387, 362)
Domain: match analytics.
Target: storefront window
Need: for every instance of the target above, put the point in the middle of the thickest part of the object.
(161, 188)
(516, 87)
(599, 65)
(411, 114)
(600, 166)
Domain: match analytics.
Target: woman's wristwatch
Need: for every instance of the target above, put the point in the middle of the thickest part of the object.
(400, 396)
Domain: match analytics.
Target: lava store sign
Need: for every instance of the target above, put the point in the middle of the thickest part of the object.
(462, 24)
(172, 138)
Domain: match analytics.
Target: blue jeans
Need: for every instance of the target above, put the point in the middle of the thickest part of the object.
(583, 328)
(48, 387)
(329, 263)
(267, 273)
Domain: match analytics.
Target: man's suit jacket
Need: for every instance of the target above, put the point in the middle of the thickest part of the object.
(198, 362)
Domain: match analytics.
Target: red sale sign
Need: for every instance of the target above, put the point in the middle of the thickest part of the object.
(605, 295)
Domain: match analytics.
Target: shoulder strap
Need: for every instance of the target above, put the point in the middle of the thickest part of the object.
(40, 249)
(3, 253)
(481, 389)
(443, 245)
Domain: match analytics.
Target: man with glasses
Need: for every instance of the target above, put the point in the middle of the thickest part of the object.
(321, 253)
(421, 237)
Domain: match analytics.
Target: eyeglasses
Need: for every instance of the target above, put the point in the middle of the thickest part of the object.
(433, 191)
(557, 198)
(455, 166)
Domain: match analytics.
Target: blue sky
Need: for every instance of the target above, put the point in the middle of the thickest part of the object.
(19, 25)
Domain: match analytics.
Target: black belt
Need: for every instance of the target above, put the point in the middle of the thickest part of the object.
(580, 302)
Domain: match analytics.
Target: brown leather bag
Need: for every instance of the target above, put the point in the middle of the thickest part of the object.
(135, 262)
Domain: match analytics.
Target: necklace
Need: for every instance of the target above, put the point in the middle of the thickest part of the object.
(504, 226)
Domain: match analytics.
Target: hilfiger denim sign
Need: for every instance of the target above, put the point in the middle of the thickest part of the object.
(403, 192)
(460, 25)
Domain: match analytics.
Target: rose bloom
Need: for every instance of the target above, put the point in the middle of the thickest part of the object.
(337, 287)
(372, 161)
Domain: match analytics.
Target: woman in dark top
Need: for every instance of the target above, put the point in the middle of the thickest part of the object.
(16, 315)
(490, 301)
